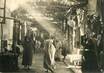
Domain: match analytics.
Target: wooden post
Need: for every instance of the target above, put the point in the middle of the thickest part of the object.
(1, 36)
(4, 10)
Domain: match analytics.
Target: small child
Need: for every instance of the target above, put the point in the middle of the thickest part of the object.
(64, 53)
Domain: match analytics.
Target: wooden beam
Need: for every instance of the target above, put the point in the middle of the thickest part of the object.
(7, 17)
(1, 8)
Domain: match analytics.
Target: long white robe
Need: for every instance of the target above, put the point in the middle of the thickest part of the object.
(50, 50)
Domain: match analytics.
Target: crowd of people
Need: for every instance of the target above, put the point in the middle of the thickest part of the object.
(93, 52)
(51, 48)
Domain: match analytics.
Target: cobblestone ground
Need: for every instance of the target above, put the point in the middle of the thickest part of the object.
(37, 66)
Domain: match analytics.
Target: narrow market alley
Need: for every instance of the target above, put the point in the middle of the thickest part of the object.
(52, 36)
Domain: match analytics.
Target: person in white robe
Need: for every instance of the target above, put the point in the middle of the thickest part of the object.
(49, 55)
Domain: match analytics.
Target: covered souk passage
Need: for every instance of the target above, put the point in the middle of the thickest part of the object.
(71, 25)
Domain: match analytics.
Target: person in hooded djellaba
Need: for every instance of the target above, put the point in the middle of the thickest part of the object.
(28, 51)
(49, 55)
